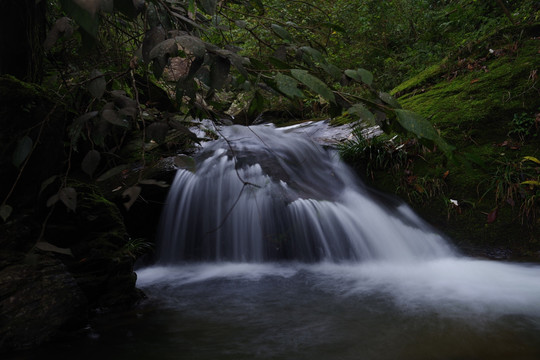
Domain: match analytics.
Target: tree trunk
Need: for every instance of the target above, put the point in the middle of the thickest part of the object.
(22, 32)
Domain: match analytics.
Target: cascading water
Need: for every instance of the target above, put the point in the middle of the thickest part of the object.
(263, 194)
(272, 249)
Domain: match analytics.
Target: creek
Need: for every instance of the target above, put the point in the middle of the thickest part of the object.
(273, 249)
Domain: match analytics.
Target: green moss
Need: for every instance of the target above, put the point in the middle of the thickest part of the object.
(417, 81)
(473, 107)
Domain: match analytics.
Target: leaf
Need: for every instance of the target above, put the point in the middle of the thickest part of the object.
(531, 182)
(23, 149)
(531, 158)
(129, 8)
(366, 76)
(192, 45)
(314, 53)
(5, 211)
(133, 193)
(314, 84)
(209, 6)
(185, 162)
(91, 162)
(112, 172)
(53, 200)
(241, 24)
(62, 27)
(68, 196)
(288, 86)
(363, 113)
(112, 117)
(416, 124)
(46, 183)
(257, 104)
(387, 98)
(46, 246)
(219, 71)
(75, 130)
(159, 183)
(157, 131)
(331, 70)
(492, 216)
(84, 14)
(278, 64)
(97, 85)
(281, 32)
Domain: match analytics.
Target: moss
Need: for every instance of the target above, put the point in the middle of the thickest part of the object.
(473, 108)
(417, 81)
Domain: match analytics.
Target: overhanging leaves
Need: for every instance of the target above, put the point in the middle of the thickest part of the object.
(363, 113)
(91, 162)
(97, 84)
(422, 128)
(288, 86)
(313, 83)
(281, 32)
(23, 149)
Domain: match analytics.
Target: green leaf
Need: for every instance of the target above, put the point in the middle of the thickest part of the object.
(363, 113)
(91, 162)
(315, 84)
(5, 211)
(278, 64)
(97, 85)
(85, 16)
(387, 98)
(353, 74)
(281, 32)
(23, 149)
(241, 24)
(257, 104)
(314, 53)
(360, 75)
(531, 182)
(416, 124)
(531, 158)
(367, 77)
(288, 86)
(209, 6)
(422, 128)
(331, 70)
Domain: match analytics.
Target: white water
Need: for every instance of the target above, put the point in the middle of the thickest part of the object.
(264, 194)
(309, 264)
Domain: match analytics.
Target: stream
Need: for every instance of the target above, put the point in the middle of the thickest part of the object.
(273, 249)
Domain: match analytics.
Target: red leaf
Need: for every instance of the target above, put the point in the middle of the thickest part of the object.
(492, 216)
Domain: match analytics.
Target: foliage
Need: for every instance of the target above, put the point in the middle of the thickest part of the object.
(525, 125)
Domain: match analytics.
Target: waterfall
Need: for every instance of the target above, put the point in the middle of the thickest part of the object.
(264, 194)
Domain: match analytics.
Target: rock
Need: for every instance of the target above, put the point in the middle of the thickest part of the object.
(38, 298)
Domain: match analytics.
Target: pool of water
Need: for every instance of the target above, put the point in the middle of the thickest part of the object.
(451, 308)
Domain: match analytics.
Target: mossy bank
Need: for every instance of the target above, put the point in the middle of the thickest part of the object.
(485, 100)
